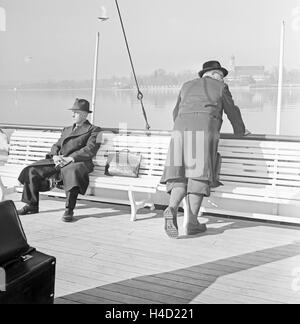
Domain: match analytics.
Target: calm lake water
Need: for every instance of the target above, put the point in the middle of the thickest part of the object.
(49, 107)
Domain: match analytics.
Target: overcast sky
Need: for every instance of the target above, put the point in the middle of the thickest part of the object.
(176, 35)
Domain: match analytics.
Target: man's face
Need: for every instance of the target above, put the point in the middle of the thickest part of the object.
(79, 117)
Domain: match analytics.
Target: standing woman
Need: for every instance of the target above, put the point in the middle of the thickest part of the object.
(193, 163)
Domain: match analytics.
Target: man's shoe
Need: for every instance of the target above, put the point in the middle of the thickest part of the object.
(171, 226)
(28, 210)
(68, 216)
(193, 229)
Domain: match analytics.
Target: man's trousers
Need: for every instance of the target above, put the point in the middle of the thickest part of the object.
(37, 180)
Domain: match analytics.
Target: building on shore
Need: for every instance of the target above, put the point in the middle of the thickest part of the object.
(247, 75)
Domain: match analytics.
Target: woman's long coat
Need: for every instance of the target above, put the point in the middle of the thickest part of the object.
(82, 145)
(198, 119)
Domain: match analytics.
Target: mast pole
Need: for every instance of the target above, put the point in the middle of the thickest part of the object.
(280, 80)
(95, 78)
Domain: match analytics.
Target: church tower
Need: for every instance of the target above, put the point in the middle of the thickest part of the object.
(232, 64)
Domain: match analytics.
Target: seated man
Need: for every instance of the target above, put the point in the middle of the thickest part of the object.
(70, 159)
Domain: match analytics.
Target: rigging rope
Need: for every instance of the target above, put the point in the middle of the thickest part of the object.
(140, 95)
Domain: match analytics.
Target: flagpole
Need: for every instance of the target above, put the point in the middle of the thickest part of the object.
(280, 80)
(95, 78)
(2, 19)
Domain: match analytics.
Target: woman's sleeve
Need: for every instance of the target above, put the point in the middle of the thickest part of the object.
(233, 112)
(176, 110)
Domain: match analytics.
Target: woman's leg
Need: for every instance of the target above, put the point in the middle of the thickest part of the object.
(194, 203)
(178, 190)
(177, 195)
(197, 190)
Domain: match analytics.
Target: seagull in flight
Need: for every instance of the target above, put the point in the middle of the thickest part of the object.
(103, 16)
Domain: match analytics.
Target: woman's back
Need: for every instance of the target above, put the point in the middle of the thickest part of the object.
(202, 95)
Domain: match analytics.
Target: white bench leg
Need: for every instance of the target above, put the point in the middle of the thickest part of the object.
(133, 204)
(150, 202)
(6, 191)
(2, 190)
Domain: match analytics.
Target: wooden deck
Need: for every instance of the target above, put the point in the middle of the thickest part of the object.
(105, 258)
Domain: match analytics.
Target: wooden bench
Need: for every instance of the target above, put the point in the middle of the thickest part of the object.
(262, 171)
(153, 147)
(256, 170)
(266, 171)
(25, 148)
(29, 146)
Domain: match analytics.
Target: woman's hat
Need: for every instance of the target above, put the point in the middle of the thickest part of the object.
(81, 105)
(212, 65)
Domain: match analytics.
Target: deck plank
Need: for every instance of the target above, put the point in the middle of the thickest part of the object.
(103, 258)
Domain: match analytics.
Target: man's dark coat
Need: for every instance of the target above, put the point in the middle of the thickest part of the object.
(82, 145)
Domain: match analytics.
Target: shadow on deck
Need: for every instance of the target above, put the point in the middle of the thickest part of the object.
(105, 258)
(183, 286)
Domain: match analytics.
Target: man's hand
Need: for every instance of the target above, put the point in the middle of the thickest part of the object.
(67, 160)
(247, 132)
(57, 160)
(61, 161)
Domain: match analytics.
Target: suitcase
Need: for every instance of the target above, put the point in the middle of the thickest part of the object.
(26, 276)
(31, 280)
(13, 242)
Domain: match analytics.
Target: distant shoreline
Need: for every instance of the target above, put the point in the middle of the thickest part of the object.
(86, 89)
(153, 88)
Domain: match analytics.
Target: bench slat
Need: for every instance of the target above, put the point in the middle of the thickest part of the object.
(146, 155)
(133, 150)
(258, 180)
(252, 168)
(36, 134)
(257, 173)
(275, 193)
(236, 161)
(258, 176)
(270, 151)
(258, 156)
(31, 144)
(148, 162)
(271, 200)
(259, 144)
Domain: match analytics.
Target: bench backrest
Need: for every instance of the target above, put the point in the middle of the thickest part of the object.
(267, 163)
(244, 162)
(27, 147)
(153, 147)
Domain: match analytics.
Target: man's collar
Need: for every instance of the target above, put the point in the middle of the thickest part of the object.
(81, 124)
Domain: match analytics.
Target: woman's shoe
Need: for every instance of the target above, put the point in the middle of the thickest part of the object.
(195, 229)
(171, 226)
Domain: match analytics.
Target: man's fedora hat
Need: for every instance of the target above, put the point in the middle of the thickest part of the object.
(212, 65)
(81, 105)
